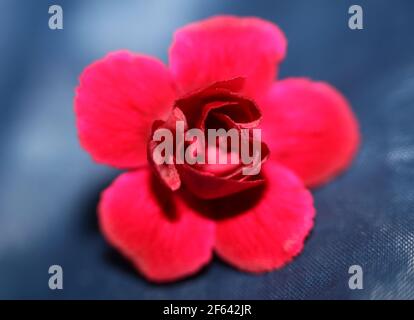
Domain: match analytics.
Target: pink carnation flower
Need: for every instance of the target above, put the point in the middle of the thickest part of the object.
(169, 219)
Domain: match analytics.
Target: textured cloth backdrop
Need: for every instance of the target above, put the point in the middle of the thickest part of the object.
(49, 187)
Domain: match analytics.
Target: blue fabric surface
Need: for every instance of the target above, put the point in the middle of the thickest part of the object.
(49, 187)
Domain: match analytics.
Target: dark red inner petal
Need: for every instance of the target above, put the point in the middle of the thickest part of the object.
(166, 172)
(205, 185)
(220, 98)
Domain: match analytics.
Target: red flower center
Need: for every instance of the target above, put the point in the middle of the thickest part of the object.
(210, 142)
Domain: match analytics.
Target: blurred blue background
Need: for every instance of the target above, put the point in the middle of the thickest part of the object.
(49, 187)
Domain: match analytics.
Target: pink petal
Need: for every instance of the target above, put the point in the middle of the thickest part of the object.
(218, 169)
(117, 100)
(310, 128)
(156, 230)
(265, 228)
(226, 47)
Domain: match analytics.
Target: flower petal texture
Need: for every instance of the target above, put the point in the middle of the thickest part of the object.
(310, 128)
(265, 229)
(215, 107)
(207, 185)
(117, 100)
(225, 47)
(163, 237)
